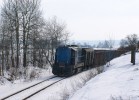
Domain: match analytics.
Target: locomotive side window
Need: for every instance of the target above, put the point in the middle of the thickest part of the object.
(72, 56)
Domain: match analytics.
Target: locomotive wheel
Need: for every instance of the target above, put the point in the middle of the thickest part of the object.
(76, 70)
(79, 69)
(72, 71)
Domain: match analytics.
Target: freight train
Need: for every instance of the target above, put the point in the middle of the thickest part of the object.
(70, 60)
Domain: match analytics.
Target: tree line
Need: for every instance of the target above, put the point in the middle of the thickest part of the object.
(26, 37)
(130, 42)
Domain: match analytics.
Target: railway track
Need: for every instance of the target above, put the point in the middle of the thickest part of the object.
(42, 89)
(32, 90)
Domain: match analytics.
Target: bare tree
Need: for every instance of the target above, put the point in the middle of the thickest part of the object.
(30, 20)
(6, 44)
(56, 33)
(123, 43)
(132, 40)
(106, 44)
(100, 45)
(10, 15)
(130, 43)
(21, 20)
(138, 45)
(109, 43)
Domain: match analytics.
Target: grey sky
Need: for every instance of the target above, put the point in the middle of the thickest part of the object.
(96, 19)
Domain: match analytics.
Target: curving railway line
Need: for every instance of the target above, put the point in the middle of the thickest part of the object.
(30, 91)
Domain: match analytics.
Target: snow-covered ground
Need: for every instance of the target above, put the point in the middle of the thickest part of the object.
(9, 88)
(120, 81)
(59, 91)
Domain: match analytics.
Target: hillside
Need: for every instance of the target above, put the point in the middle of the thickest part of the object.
(119, 81)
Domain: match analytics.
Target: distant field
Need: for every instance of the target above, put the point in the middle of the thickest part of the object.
(92, 42)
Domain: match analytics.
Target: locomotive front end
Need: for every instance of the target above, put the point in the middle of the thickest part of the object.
(61, 66)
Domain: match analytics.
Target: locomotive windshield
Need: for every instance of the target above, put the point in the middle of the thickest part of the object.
(63, 55)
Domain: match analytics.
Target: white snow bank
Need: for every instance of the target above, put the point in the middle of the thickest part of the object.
(120, 80)
(3, 81)
(8, 88)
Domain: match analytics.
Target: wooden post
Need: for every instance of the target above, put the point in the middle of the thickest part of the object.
(133, 51)
(0, 70)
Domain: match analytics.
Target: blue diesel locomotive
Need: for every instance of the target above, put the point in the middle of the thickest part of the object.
(67, 60)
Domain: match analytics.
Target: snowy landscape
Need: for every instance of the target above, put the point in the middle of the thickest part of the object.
(118, 81)
(69, 50)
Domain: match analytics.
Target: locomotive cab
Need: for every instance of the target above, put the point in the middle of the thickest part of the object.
(64, 57)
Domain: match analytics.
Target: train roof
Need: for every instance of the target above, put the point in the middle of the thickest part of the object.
(105, 48)
(74, 48)
(88, 49)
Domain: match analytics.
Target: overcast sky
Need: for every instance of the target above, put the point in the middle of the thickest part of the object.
(96, 19)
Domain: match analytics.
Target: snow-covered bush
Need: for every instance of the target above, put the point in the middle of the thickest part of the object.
(119, 98)
(100, 69)
(136, 69)
(78, 82)
(12, 74)
(31, 73)
(64, 94)
(67, 91)
(34, 74)
(1, 80)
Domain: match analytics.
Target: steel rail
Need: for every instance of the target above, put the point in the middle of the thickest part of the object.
(42, 89)
(27, 88)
